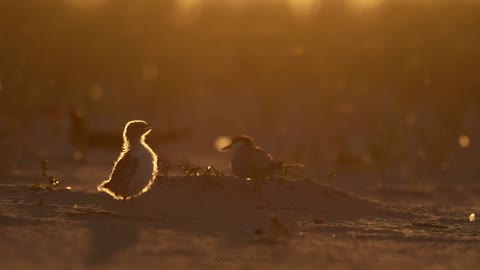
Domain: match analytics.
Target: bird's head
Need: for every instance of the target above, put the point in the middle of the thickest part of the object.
(136, 129)
(240, 141)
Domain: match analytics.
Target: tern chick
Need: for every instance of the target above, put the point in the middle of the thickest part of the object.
(136, 168)
(250, 161)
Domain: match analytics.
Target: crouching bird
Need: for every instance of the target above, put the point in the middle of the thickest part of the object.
(250, 161)
(136, 168)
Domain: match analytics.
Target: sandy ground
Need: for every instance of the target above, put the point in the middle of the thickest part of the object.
(208, 222)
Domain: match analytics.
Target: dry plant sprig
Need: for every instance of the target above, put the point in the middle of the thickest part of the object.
(209, 171)
(40, 201)
(292, 172)
(332, 174)
(52, 181)
(166, 169)
(278, 227)
(193, 171)
(189, 170)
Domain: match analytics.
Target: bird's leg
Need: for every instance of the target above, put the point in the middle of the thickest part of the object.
(131, 200)
(257, 186)
(259, 190)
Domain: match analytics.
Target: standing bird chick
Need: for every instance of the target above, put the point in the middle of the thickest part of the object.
(250, 161)
(136, 168)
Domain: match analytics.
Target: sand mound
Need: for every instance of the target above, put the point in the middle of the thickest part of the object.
(236, 197)
(208, 201)
(215, 222)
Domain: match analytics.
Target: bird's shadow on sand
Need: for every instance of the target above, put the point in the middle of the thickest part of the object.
(109, 237)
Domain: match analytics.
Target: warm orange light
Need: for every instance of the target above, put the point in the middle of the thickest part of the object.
(464, 141)
(221, 142)
(150, 72)
(78, 155)
(471, 217)
(187, 4)
(302, 6)
(411, 119)
(96, 92)
(364, 3)
(86, 3)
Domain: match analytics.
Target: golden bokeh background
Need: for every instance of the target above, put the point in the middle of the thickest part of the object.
(375, 85)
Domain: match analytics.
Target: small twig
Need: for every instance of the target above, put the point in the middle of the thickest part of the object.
(52, 181)
(290, 172)
(332, 174)
(209, 171)
(166, 169)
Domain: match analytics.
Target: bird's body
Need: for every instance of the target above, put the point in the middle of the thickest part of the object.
(250, 161)
(136, 168)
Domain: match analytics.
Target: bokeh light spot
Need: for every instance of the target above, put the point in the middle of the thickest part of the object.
(471, 217)
(345, 107)
(221, 142)
(464, 141)
(364, 4)
(301, 7)
(96, 92)
(51, 83)
(188, 4)
(87, 3)
(298, 50)
(410, 119)
(78, 155)
(150, 72)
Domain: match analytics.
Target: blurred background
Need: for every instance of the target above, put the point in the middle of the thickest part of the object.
(386, 92)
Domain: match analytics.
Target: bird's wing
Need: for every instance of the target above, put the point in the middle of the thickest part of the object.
(261, 158)
(123, 171)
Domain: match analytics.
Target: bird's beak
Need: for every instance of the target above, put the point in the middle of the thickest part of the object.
(227, 147)
(149, 127)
